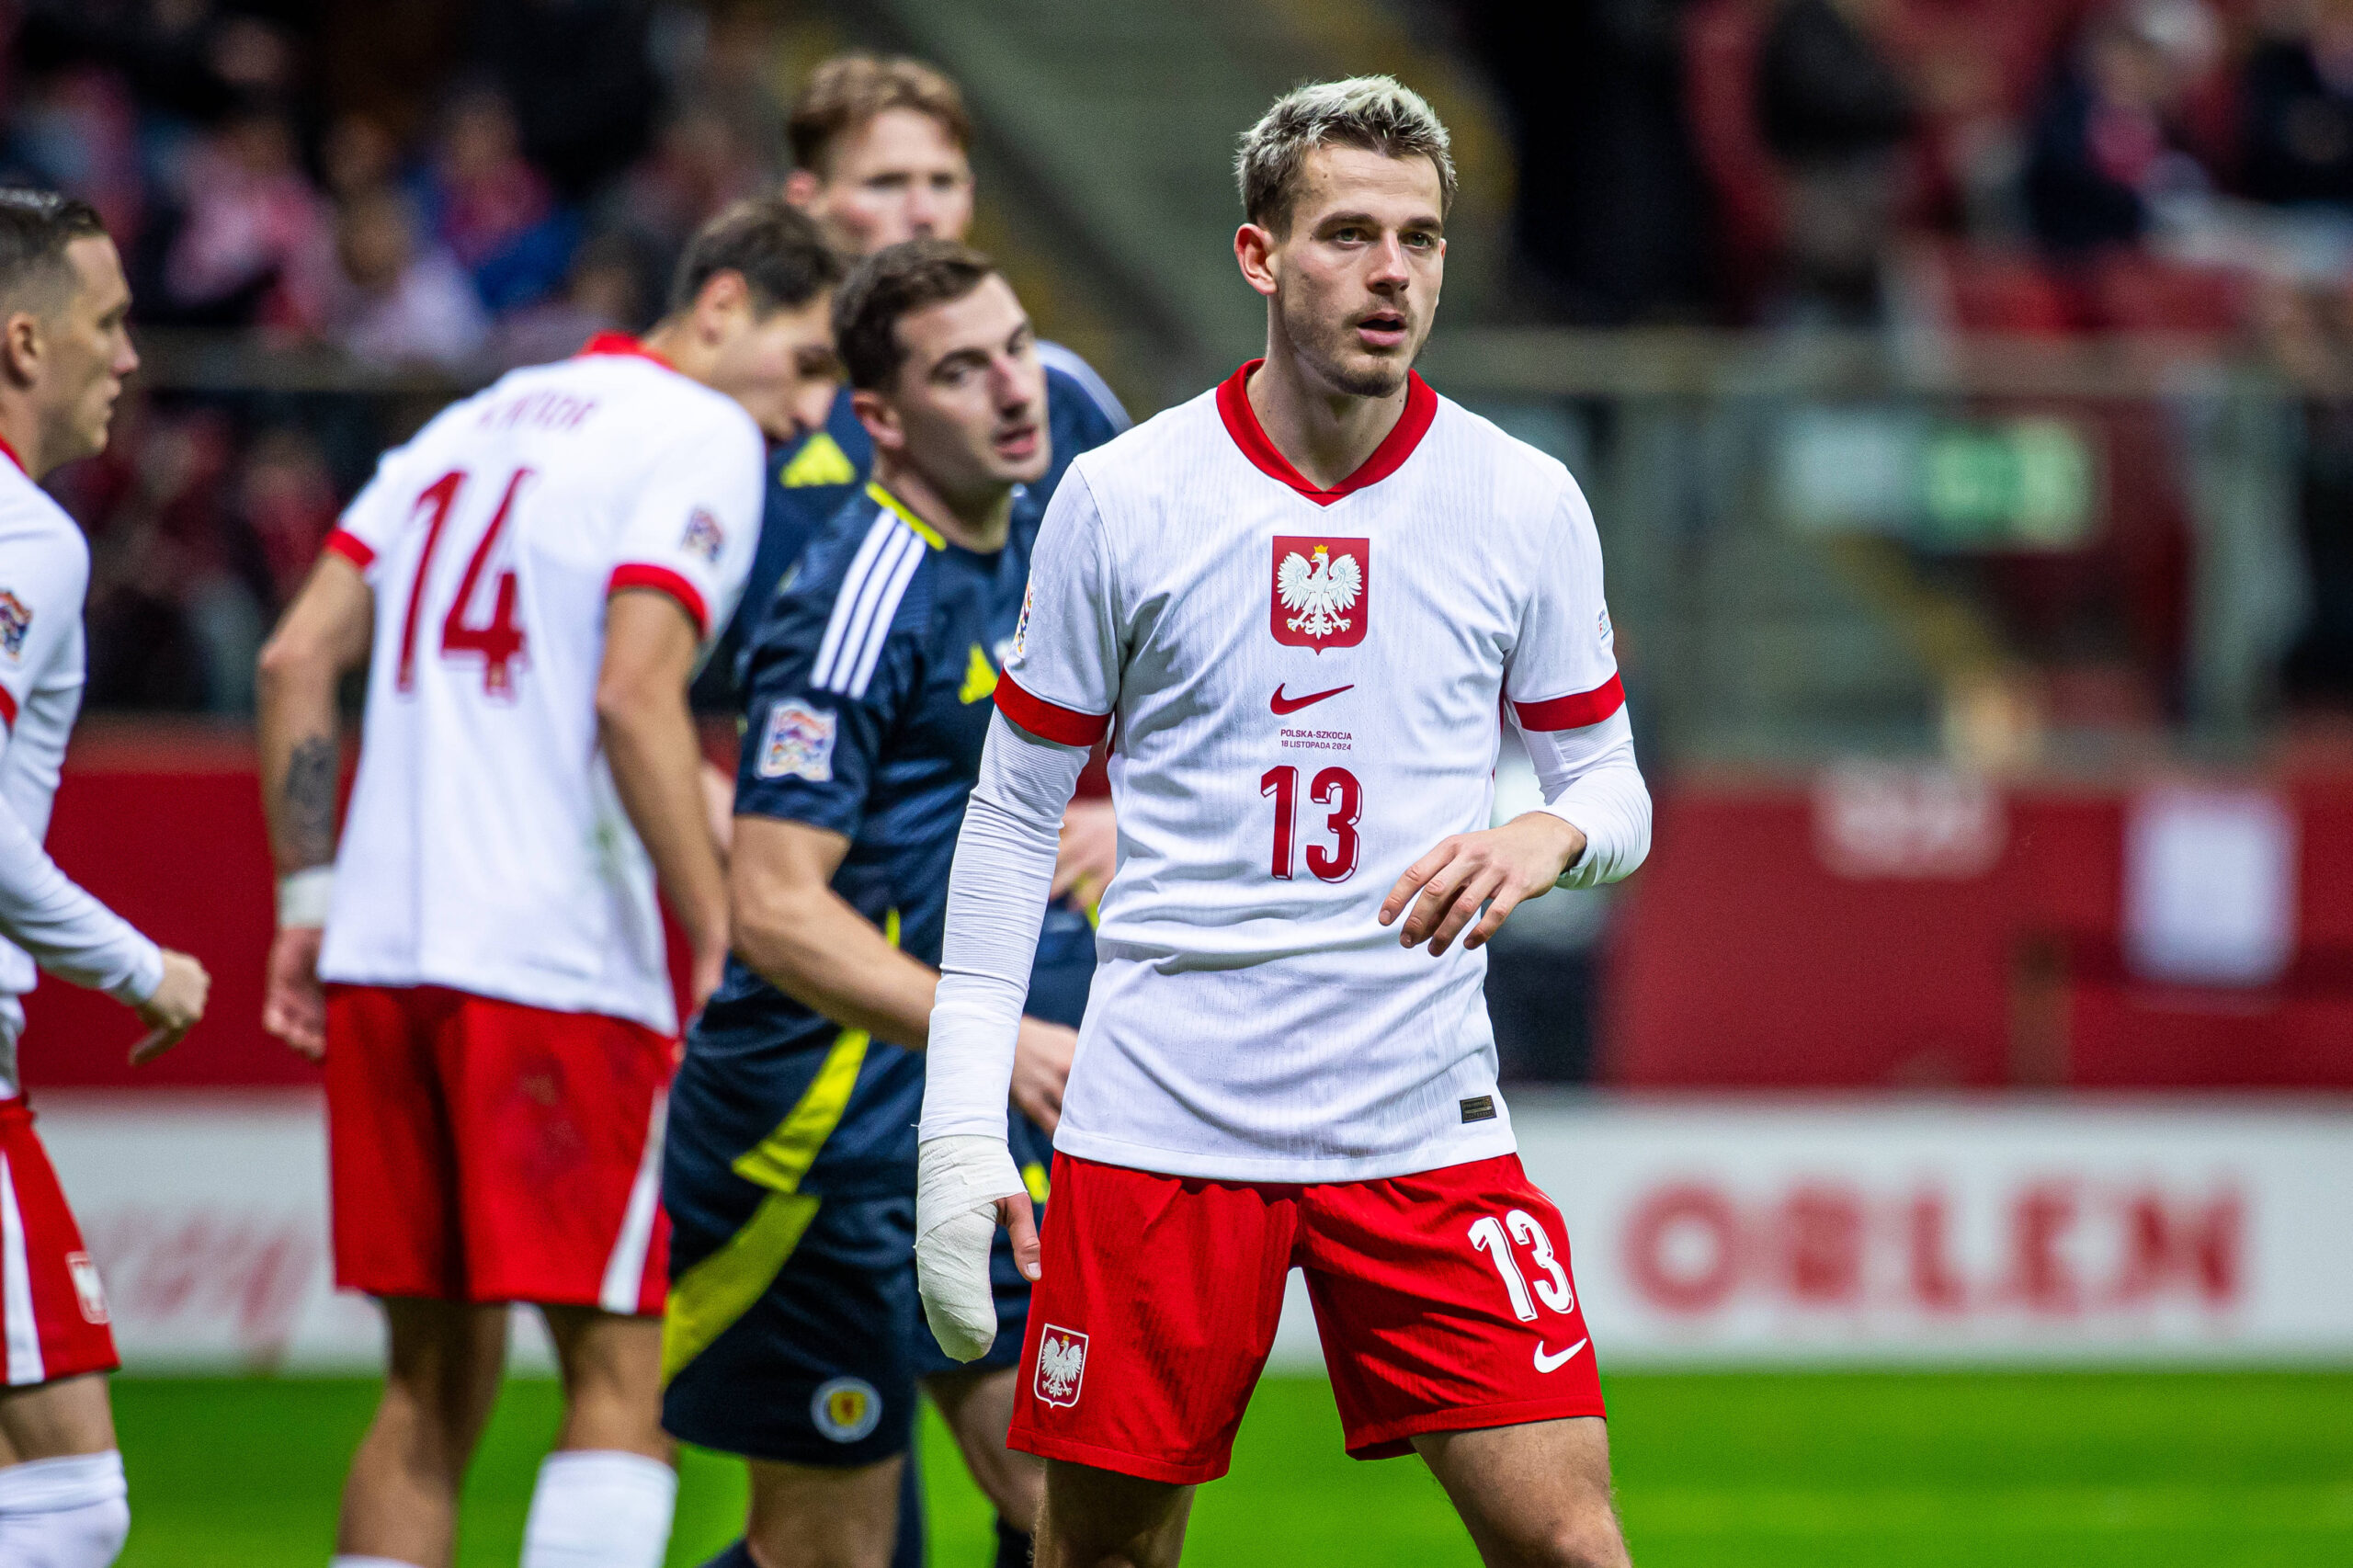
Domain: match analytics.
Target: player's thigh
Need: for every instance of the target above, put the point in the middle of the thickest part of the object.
(1092, 1518)
(1536, 1494)
(813, 1517)
(56, 1420)
(787, 1337)
(977, 1404)
(555, 1117)
(611, 1367)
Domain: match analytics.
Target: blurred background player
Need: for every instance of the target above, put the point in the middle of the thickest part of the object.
(65, 350)
(789, 1171)
(1270, 1077)
(533, 582)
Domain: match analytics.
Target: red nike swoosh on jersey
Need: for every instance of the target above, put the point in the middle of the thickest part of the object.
(1282, 704)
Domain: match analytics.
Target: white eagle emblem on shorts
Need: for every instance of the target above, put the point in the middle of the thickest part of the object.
(1061, 1365)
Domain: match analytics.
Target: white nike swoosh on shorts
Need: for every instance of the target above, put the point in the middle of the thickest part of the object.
(1554, 1363)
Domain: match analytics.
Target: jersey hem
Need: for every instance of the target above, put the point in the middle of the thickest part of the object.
(663, 1022)
(1315, 1171)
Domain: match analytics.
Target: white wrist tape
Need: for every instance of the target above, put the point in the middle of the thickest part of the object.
(959, 1179)
(304, 897)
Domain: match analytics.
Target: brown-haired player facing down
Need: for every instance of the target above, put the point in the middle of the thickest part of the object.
(790, 1172)
(532, 580)
(1269, 1074)
(65, 350)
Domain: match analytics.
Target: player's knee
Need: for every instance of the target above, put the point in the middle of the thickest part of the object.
(1587, 1537)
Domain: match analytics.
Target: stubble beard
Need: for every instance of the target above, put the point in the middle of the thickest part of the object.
(1329, 350)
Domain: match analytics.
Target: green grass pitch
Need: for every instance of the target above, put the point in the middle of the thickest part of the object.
(2025, 1469)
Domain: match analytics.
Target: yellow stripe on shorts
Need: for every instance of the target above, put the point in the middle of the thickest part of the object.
(708, 1299)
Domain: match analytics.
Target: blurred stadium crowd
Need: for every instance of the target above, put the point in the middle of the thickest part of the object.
(442, 189)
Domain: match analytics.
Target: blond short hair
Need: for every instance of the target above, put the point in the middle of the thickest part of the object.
(1379, 114)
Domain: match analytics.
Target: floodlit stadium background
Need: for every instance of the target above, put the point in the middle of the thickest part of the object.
(1950, 1116)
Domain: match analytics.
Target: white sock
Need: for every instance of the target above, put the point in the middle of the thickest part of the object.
(599, 1509)
(346, 1560)
(68, 1513)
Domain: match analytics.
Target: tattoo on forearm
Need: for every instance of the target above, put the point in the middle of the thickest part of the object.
(310, 802)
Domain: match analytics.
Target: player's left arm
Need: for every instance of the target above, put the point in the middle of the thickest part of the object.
(1564, 693)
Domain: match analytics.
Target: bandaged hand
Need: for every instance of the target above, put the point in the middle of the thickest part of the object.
(966, 1185)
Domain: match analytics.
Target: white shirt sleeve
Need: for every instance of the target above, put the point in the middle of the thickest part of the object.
(695, 521)
(67, 932)
(996, 902)
(1062, 680)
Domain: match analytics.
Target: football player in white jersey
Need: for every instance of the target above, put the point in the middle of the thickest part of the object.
(64, 349)
(532, 580)
(1299, 605)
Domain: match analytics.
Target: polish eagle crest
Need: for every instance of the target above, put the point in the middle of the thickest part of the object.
(1319, 592)
(1062, 1362)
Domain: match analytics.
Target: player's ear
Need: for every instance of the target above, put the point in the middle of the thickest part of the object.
(1254, 248)
(726, 301)
(881, 421)
(20, 348)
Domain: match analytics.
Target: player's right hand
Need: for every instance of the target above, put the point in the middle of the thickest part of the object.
(294, 1006)
(966, 1185)
(1041, 1054)
(173, 1007)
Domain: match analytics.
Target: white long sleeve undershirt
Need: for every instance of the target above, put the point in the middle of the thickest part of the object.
(996, 902)
(1004, 869)
(1591, 782)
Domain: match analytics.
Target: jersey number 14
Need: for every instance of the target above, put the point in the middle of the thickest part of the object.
(499, 641)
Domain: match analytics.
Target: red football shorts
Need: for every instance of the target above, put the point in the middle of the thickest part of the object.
(1443, 1300)
(484, 1151)
(52, 1309)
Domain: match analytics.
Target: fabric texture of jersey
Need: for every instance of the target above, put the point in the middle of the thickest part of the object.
(1444, 1302)
(44, 576)
(487, 847)
(485, 1150)
(54, 1318)
(813, 480)
(1304, 688)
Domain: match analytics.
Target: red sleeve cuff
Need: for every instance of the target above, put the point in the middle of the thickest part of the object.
(352, 548)
(1066, 726)
(8, 709)
(1575, 711)
(662, 580)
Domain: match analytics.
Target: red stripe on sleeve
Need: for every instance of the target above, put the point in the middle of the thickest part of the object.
(8, 709)
(1066, 726)
(352, 548)
(1575, 711)
(662, 580)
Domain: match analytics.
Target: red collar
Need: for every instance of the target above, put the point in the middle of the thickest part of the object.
(10, 453)
(621, 342)
(1241, 424)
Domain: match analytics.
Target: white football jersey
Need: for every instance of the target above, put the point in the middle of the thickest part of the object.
(1303, 689)
(44, 575)
(487, 849)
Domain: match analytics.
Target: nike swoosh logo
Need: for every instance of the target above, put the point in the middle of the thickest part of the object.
(1554, 1363)
(1282, 704)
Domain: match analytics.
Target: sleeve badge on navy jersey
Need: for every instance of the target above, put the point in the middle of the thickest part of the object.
(703, 536)
(1323, 589)
(16, 619)
(799, 742)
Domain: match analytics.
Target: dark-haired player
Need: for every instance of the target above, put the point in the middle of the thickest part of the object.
(789, 1173)
(531, 581)
(64, 349)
